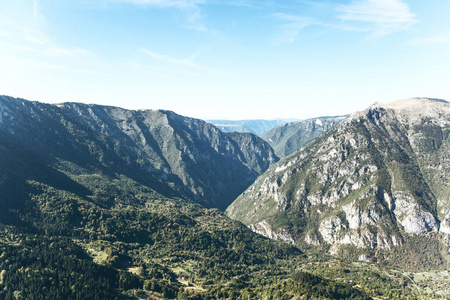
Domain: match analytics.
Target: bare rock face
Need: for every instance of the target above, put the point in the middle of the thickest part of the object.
(372, 180)
(265, 229)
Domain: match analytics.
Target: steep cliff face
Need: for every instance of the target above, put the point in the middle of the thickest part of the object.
(170, 153)
(379, 176)
(288, 138)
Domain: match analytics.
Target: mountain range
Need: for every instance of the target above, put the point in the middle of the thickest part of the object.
(371, 184)
(102, 202)
(167, 152)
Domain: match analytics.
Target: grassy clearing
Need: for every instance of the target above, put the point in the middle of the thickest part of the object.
(179, 271)
(94, 250)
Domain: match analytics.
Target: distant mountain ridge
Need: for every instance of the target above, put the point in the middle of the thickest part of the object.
(373, 182)
(171, 153)
(288, 138)
(256, 127)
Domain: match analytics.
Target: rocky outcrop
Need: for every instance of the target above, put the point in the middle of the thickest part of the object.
(264, 228)
(379, 176)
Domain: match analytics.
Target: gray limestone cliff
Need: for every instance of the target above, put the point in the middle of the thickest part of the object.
(378, 177)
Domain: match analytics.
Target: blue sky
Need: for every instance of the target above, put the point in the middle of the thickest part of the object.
(236, 59)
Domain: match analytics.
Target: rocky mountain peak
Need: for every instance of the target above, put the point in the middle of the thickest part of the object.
(370, 182)
(418, 107)
(416, 103)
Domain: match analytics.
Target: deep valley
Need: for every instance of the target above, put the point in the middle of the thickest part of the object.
(100, 202)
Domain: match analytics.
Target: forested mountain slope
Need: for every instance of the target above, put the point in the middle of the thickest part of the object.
(173, 154)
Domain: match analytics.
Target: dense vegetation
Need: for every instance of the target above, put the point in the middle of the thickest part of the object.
(39, 267)
(77, 226)
(64, 245)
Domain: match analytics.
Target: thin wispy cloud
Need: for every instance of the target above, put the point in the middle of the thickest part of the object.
(243, 3)
(17, 47)
(35, 39)
(194, 19)
(35, 10)
(36, 13)
(175, 65)
(40, 64)
(164, 3)
(193, 14)
(38, 46)
(169, 59)
(313, 3)
(381, 16)
(73, 52)
(168, 71)
(289, 31)
(24, 25)
(29, 33)
(441, 39)
(31, 63)
(148, 67)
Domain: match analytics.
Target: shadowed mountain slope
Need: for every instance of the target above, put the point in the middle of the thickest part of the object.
(172, 154)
